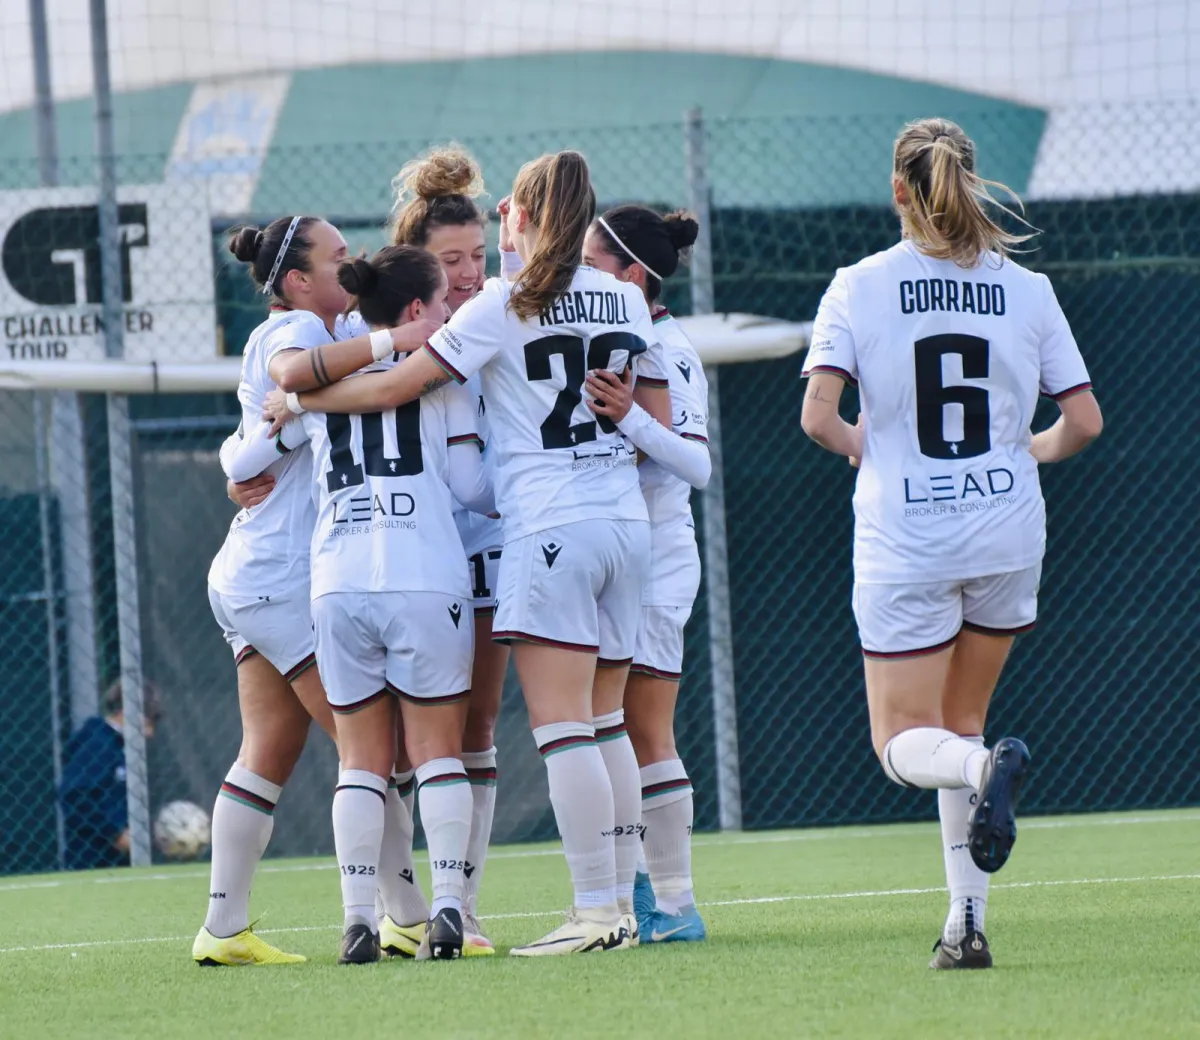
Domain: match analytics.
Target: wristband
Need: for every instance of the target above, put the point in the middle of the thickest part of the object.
(294, 405)
(381, 344)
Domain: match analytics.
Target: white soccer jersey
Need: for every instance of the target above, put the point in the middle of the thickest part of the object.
(477, 531)
(266, 550)
(949, 363)
(382, 480)
(667, 497)
(556, 462)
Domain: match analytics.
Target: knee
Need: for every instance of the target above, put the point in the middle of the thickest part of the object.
(272, 755)
(479, 734)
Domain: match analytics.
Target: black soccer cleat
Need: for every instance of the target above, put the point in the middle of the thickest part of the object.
(992, 827)
(972, 952)
(360, 945)
(445, 935)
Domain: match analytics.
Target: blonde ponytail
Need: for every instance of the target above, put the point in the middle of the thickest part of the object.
(946, 213)
(556, 192)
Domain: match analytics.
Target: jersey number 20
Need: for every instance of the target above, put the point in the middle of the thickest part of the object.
(578, 359)
(933, 396)
(345, 472)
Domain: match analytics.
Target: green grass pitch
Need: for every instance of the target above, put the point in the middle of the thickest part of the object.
(1094, 925)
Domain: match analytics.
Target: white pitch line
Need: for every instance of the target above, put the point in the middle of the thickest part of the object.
(702, 841)
(809, 897)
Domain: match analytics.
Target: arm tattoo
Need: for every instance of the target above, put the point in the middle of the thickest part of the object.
(814, 394)
(320, 372)
(434, 384)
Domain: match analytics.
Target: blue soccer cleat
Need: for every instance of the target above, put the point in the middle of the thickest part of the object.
(685, 926)
(643, 897)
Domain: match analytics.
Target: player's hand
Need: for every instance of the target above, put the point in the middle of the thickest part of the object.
(250, 492)
(413, 335)
(502, 207)
(121, 841)
(612, 395)
(276, 411)
(856, 460)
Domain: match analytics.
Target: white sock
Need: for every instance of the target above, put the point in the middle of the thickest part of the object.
(581, 794)
(242, 821)
(930, 757)
(968, 884)
(667, 811)
(445, 794)
(619, 759)
(358, 811)
(400, 895)
(481, 771)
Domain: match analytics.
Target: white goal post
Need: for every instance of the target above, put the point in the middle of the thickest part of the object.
(718, 339)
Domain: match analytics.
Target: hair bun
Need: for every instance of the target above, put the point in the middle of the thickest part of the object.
(245, 243)
(443, 171)
(358, 277)
(682, 229)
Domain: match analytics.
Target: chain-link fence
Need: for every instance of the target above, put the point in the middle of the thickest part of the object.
(1102, 691)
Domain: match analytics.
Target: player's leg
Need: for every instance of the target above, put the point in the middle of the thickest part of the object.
(618, 609)
(351, 658)
(995, 609)
(667, 804)
(479, 742)
(274, 730)
(546, 608)
(430, 640)
(400, 904)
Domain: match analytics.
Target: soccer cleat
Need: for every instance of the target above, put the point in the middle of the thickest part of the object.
(972, 952)
(360, 945)
(400, 940)
(992, 826)
(584, 931)
(443, 937)
(243, 948)
(643, 896)
(685, 926)
(629, 920)
(475, 943)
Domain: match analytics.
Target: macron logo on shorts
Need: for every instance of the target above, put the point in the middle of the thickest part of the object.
(551, 552)
(455, 613)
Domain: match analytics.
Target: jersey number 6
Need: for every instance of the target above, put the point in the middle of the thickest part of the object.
(578, 360)
(345, 472)
(933, 396)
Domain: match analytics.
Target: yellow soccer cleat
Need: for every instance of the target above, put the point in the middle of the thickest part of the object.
(400, 940)
(475, 943)
(244, 948)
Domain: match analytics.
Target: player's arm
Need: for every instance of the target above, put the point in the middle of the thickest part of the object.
(294, 371)
(820, 419)
(1064, 377)
(685, 456)
(246, 456)
(1079, 423)
(467, 476)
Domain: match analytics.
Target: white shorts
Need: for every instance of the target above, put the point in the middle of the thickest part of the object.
(578, 587)
(909, 620)
(484, 569)
(660, 642)
(417, 645)
(278, 627)
(674, 577)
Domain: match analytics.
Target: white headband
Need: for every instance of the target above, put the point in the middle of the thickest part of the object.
(632, 255)
(287, 241)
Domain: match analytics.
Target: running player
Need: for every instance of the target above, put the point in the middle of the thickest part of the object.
(259, 581)
(575, 523)
(949, 343)
(639, 246)
(390, 590)
(435, 209)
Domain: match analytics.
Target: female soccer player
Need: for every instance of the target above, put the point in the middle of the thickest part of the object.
(259, 581)
(949, 343)
(389, 589)
(435, 209)
(575, 524)
(637, 245)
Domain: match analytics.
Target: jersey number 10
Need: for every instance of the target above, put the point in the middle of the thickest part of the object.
(578, 360)
(345, 472)
(933, 396)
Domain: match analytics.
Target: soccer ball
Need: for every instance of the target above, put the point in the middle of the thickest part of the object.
(182, 830)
